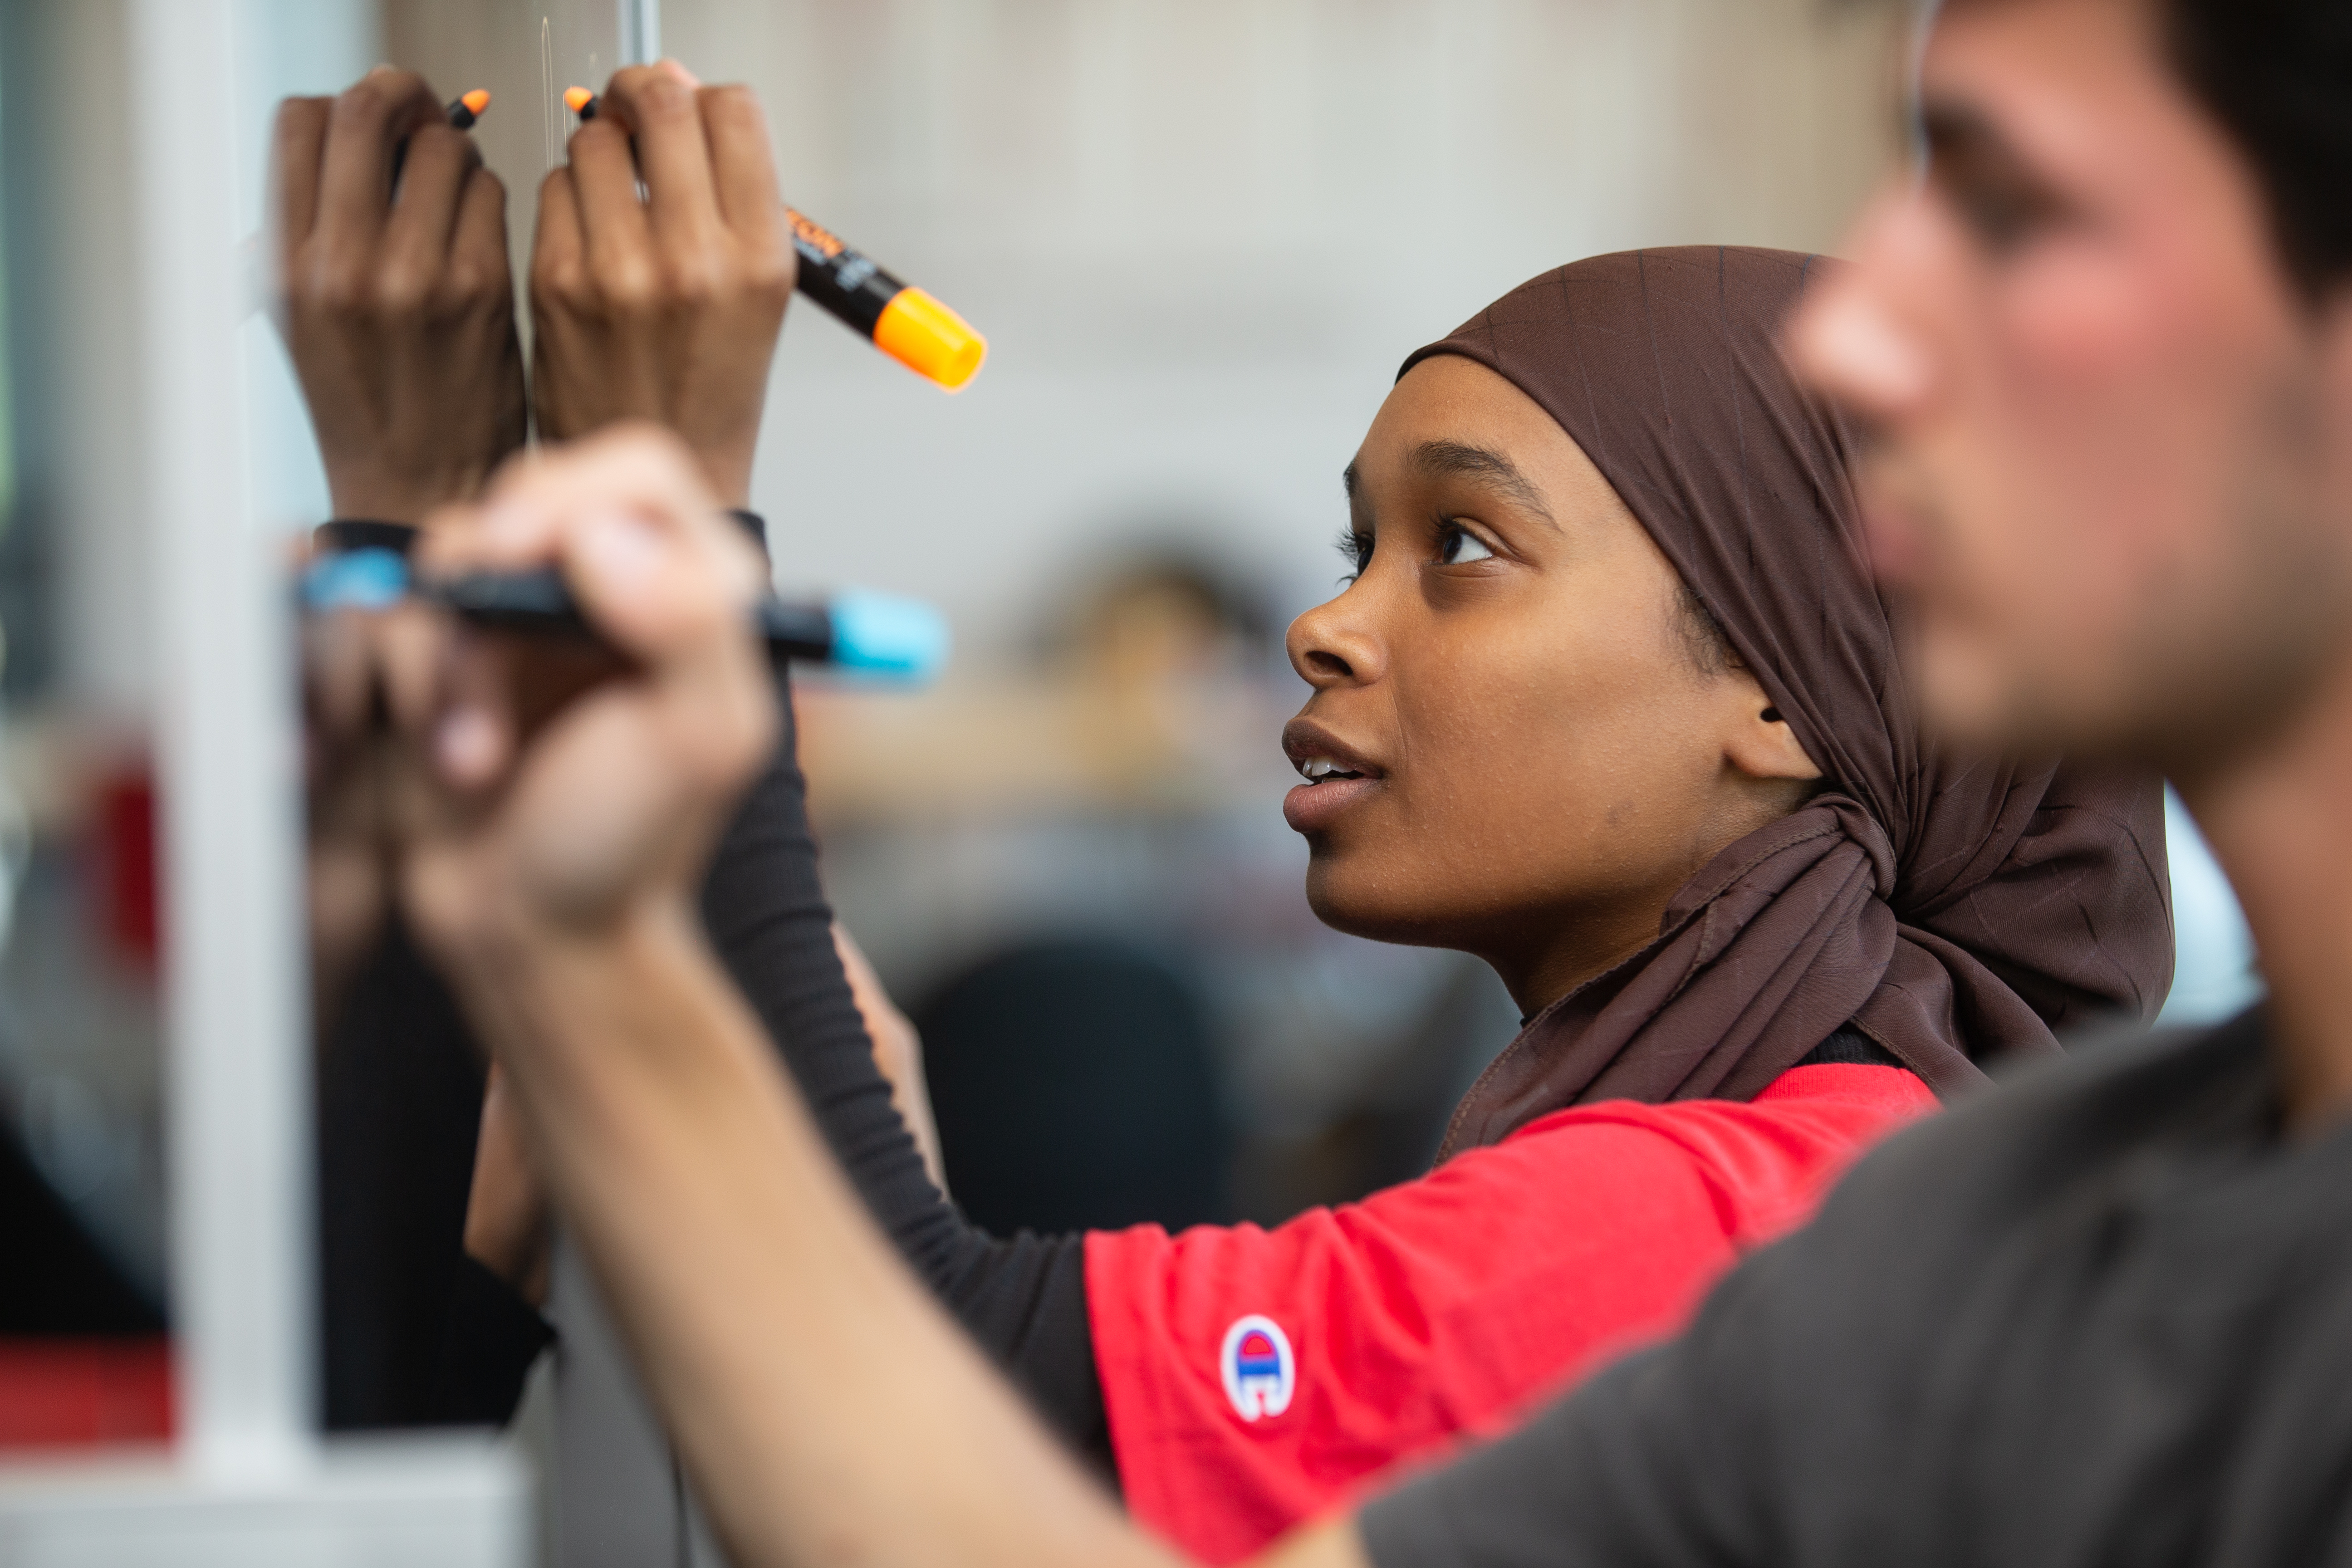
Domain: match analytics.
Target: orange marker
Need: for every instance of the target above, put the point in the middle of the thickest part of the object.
(903, 321)
(468, 108)
(462, 112)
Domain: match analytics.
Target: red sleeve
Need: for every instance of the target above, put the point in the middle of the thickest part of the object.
(1254, 1378)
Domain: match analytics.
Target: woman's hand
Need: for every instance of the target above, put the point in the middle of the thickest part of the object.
(396, 302)
(510, 1224)
(897, 1052)
(665, 307)
(566, 790)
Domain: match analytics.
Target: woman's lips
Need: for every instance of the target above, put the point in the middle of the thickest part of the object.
(1337, 775)
(1312, 807)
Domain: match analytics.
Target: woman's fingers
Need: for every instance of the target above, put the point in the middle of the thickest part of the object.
(478, 249)
(743, 170)
(658, 105)
(666, 314)
(297, 141)
(618, 241)
(378, 112)
(424, 211)
(559, 247)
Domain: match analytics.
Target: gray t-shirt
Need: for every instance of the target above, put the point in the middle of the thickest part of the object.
(2102, 1317)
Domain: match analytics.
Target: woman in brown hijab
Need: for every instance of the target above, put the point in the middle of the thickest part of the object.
(1611, 703)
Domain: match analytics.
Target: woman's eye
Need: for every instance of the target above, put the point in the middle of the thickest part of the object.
(1356, 549)
(1459, 547)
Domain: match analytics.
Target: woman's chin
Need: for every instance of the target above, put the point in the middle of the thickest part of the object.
(1356, 900)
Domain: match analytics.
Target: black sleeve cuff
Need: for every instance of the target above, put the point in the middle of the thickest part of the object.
(347, 533)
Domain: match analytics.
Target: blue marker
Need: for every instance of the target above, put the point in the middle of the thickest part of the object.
(869, 634)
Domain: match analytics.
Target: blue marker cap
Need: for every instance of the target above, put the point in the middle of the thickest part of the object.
(879, 634)
(355, 580)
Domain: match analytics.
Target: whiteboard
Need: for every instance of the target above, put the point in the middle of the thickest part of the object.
(526, 52)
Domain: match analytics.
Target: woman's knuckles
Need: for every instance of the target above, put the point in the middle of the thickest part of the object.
(696, 278)
(400, 292)
(627, 284)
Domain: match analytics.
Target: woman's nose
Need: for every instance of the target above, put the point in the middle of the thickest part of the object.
(1331, 645)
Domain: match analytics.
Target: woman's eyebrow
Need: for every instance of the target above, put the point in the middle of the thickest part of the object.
(1440, 459)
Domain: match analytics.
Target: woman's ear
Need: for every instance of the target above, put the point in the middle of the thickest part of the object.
(1757, 742)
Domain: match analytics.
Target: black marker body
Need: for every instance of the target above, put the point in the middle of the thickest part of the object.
(848, 284)
(537, 602)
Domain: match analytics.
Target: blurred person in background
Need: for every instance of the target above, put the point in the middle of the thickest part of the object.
(2096, 1317)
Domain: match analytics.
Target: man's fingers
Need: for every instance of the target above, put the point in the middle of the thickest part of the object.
(446, 693)
(743, 168)
(424, 211)
(296, 142)
(411, 647)
(473, 739)
(630, 520)
(337, 674)
(365, 123)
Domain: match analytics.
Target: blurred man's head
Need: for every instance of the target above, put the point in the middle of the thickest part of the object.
(2107, 350)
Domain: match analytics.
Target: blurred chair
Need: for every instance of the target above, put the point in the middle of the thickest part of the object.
(1075, 1089)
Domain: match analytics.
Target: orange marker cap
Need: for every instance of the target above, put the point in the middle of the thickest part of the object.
(477, 100)
(576, 99)
(930, 339)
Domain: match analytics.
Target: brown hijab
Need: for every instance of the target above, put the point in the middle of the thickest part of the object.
(1951, 910)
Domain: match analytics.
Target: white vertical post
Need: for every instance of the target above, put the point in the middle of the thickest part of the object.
(254, 1487)
(640, 31)
(240, 1164)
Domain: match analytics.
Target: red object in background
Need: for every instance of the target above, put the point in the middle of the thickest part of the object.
(68, 1393)
(125, 866)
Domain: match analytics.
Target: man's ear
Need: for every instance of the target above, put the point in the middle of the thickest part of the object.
(1757, 741)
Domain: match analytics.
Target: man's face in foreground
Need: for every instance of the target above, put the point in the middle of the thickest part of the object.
(2103, 465)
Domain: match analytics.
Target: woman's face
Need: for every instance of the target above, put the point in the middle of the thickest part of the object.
(1521, 748)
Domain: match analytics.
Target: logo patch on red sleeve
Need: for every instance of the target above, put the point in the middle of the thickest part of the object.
(1258, 1369)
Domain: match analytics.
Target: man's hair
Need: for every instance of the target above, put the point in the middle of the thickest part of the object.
(2277, 74)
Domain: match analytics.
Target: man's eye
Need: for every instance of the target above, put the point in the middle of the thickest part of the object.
(1457, 546)
(2003, 204)
(2004, 217)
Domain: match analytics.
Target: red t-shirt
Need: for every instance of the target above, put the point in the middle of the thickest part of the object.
(1254, 1378)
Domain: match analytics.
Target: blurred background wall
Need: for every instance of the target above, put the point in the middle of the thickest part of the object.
(1201, 235)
